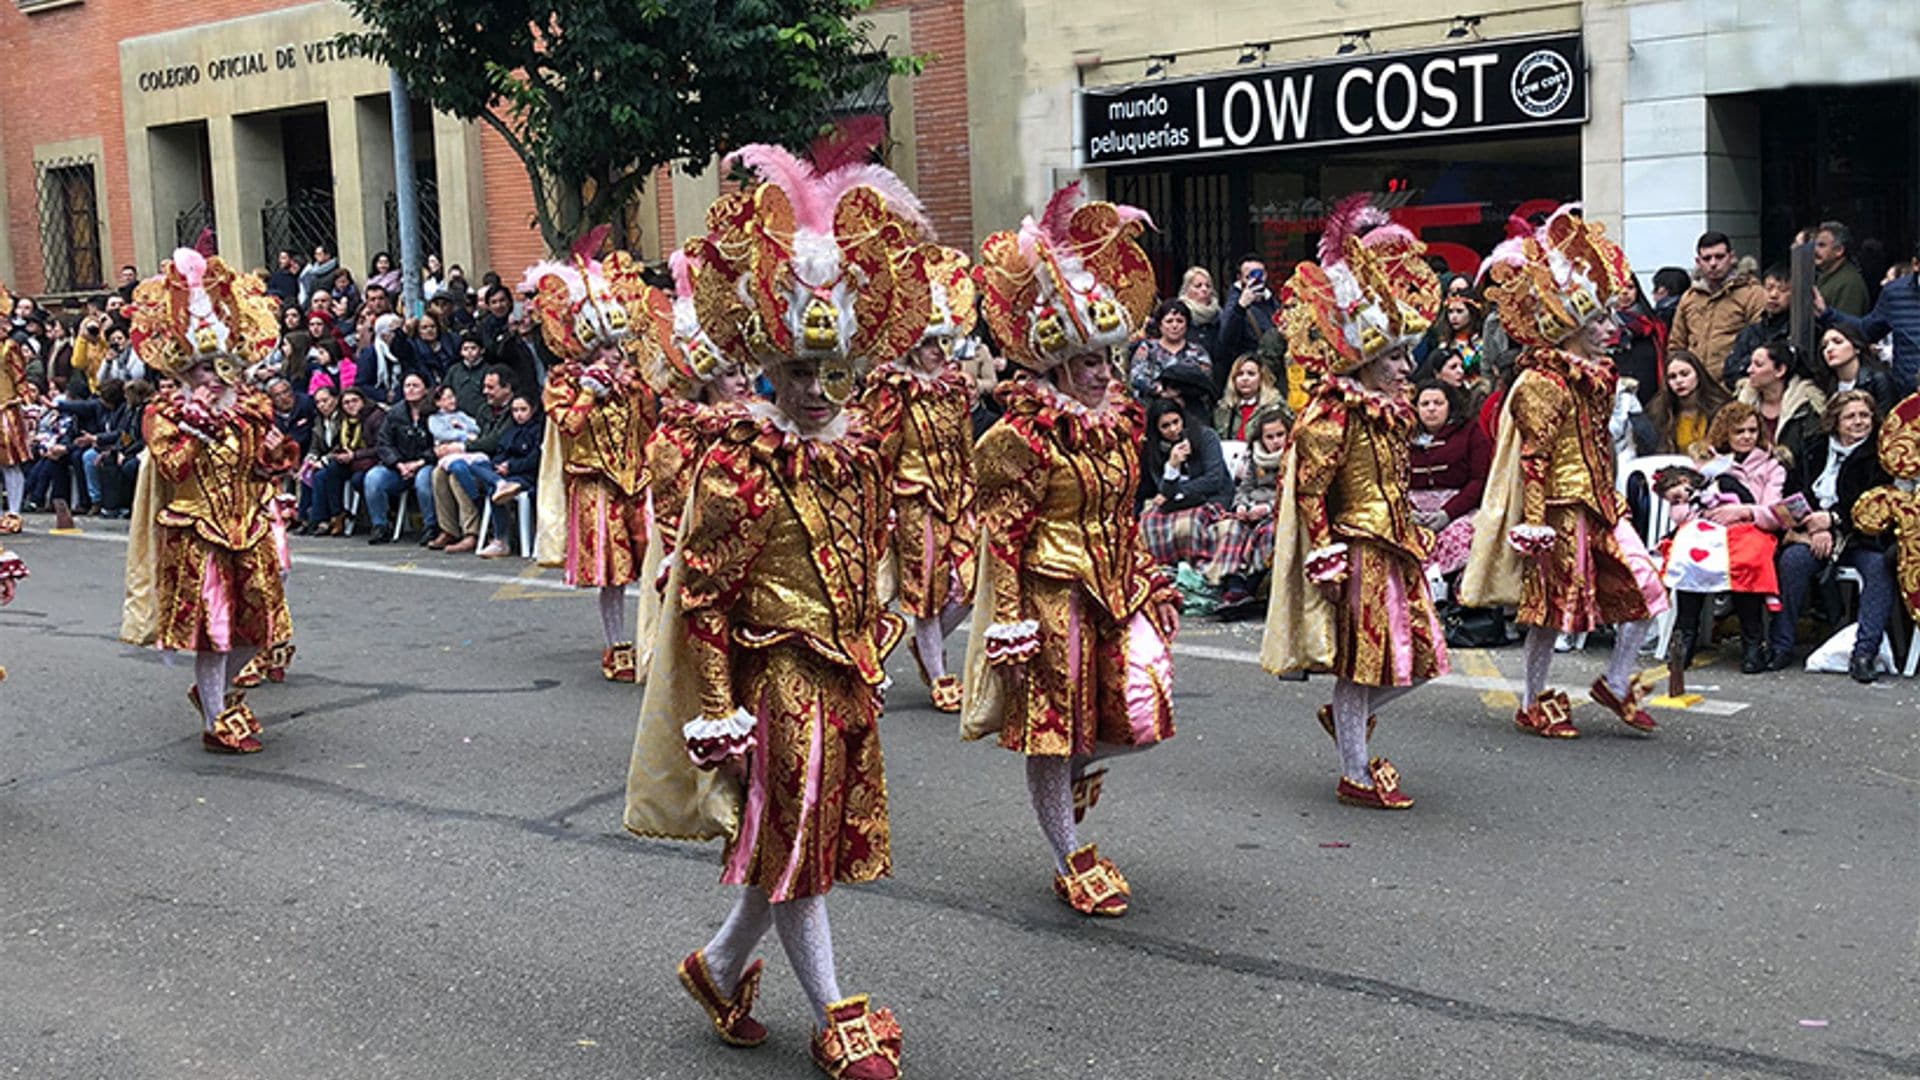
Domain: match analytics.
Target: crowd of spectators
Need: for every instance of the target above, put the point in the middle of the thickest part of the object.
(439, 412)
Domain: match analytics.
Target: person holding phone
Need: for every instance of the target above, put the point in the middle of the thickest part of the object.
(1248, 316)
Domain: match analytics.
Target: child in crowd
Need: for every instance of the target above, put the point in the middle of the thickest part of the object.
(451, 427)
(517, 460)
(1243, 540)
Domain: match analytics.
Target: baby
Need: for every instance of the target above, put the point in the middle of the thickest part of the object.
(452, 428)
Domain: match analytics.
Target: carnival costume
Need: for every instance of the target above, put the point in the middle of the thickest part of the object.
(1895, 508)
(12, 569)
(16, 450)
(1068, 661)
(1553, 536)
(1349, 592)
(923, 414)
(203, 575)
(592, 489)
(770, 647)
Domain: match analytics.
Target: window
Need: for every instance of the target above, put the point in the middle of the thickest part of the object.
(69, 226)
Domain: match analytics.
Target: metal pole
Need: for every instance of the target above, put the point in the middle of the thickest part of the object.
(407, 194)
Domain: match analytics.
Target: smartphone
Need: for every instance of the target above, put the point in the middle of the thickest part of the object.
(1798, 506)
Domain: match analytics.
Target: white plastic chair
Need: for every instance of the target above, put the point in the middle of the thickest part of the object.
(1847, 575)
(1236, 454)
(352, 504)
(523, 510)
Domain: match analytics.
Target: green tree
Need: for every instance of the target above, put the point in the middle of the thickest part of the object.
(594, 95)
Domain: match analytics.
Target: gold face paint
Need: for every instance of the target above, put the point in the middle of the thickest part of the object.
(837, 383)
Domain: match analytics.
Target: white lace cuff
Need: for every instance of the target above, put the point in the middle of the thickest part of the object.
(1012, 643)
(1327, 565)
(711, 740)
(1531, 539)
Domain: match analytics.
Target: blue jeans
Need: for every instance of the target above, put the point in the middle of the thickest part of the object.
(329, 497)
(1797, 568)
(90, 465)
(384, 483)
(477, 480)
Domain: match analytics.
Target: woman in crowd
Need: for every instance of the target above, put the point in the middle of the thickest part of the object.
(405, 446)
(433, 354)
(385, 274)
(325, 437)
(1190, 483)
(431, 276)
(345, 294)
(351, 453)
(380, 360)
(1685, 405)
(1641, 350)
(1850, 365)
(1783, 392)
(1250, 393)
(1831, 472)
(1165, 346)
(1448, 366)
(452, 430)
(1243, 540)
(1449, 458)
(1203, 311)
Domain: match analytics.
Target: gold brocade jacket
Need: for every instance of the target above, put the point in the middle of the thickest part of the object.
(782, 544)
(1560, 408)
(603, 437)
(1056, 489)
(674, 448)
(925, 425)
(211, 481)
(1352, 469)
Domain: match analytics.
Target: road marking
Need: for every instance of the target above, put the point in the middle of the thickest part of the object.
(1483, 674)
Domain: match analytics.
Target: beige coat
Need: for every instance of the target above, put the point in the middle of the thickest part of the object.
(1707, 320)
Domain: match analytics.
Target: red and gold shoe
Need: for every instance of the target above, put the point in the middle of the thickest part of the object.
(1627, 709)
(858, 1043)
(1325, 716)
(1385, 794)
(946, 694)
(617, 663)
(1550, 717)
(234, 732)
(10, 524)
(279, 661)
(1086, 793)
(730, 1016)
(1093, 885)
(254, 673)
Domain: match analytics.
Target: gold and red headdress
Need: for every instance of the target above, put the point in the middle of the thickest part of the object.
(1550, 283)
(681, 357)
(1073, 282)
(586, 303)
(943, 278)
(198, 310)
(804, 266)
(1371, 292)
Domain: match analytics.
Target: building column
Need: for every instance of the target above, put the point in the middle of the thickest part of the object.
(373, 137)
(463, 194)
(349, 214)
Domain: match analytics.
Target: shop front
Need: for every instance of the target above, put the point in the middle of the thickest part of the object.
(1451, 141)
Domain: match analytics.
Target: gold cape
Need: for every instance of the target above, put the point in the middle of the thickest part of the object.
(1493, 576)
(984, 704)
(1300, 619)
(140, 610)
(667, 797)
(550, 496)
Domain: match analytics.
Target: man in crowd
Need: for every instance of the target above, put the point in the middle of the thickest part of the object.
(1839, 281)
(466, 376)
(293, 413)
(1246, 318)
(1897, 312)
(1776, 319)
(465, 473)
(506, 336)
(284, 283)
(318, 274)
(1720, 304)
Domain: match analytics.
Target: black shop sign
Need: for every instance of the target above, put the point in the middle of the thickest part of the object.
(1481, 86)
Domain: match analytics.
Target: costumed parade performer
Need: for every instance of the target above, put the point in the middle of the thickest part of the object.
(759, 718)
(1349, 591)
(921, 407)
(270, 664)
(1068, 659)
(592, 489)
(16, 448)
(203, 575)
(1552, 535)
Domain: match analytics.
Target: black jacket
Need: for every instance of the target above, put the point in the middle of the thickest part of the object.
(519, 449)
(1203, 479)
(1860, 474)
(1241, 331)
(404, 437)
(297, 424)
(1768, 328)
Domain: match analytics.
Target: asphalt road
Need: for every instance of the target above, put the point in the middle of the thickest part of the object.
(424, 875)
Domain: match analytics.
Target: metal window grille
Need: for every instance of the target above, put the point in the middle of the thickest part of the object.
(188, 224)
(429, 221)
(69, 225)
(300, 222)
(1194, 217)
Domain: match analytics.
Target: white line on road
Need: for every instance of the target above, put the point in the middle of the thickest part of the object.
(1710, 707)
